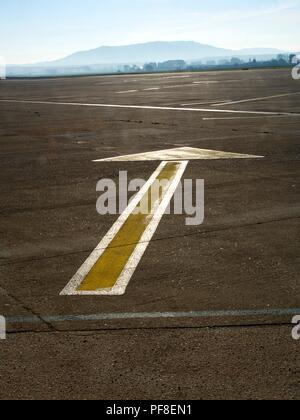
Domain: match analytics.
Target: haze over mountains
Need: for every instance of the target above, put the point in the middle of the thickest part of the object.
(150, 57)
(154, 52)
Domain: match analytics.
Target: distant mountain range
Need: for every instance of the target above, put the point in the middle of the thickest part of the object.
(154, 52)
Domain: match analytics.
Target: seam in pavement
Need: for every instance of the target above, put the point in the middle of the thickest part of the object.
(88, 332)
(204, 232)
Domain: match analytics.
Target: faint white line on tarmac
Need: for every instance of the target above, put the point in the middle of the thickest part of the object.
(154, 108)
(171, 86)
(127, 91)
(202, 103)
(180, 86)
(264, 98)
(153, 315)
(249, 118)
(155, 78)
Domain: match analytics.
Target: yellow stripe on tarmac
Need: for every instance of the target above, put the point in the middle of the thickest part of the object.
(109, 267)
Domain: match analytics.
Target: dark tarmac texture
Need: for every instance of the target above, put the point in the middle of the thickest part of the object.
(208, 312)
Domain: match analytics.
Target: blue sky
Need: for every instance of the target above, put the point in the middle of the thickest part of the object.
(39, 30)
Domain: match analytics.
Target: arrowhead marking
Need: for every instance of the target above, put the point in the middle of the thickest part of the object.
(177, 154)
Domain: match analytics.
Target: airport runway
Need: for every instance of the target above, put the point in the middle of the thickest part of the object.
(208, 311)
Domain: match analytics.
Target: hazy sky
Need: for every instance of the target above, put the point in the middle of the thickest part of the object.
(39, 30)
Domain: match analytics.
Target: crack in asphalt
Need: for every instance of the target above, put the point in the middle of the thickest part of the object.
(165, 238)
(89, 332)
(39, 317)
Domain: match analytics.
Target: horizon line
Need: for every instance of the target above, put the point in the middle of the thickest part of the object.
(147, 43)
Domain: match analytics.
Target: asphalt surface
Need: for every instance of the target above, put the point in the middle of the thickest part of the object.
(208, 313)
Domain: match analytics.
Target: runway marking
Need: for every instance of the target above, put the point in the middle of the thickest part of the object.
(110, 267)
(154, 108)
(256, 99)
(127, 91)
(154, 315)
(201, 103)
(155, 78)
(169, 87)
(178, 154)
(186, 85)
(249, 118)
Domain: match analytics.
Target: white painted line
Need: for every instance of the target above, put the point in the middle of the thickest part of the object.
(264, 98)
(154, 88)
(154, 108)
(202, 103)
(180, 86)
(159, 210)
(154, 79)
(127, 91)
(154, 315)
